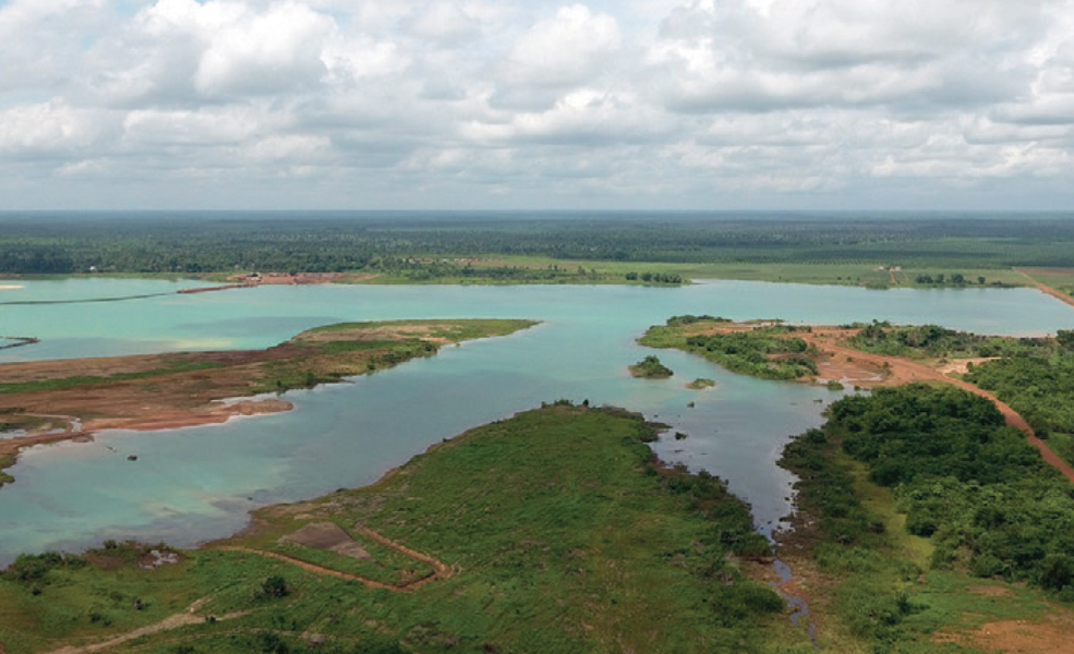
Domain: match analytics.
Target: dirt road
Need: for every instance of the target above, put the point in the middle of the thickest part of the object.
(440, 569)
(188, 617)
(902, 371)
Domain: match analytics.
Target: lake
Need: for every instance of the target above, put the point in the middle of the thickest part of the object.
(194, 484)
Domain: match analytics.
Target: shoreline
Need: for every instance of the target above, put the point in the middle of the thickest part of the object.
(882, 370)
(11, 448)
(175, 390)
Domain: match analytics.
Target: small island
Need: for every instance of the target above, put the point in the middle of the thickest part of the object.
(701, 383)
(651, 368)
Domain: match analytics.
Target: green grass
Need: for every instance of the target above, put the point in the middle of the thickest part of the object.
(845, 274)
(455, 330)
(523, 269)
(563, 536)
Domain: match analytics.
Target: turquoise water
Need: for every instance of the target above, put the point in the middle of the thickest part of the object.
(190, 485)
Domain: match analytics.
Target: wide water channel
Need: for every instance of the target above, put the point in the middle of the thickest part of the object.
(194, 484)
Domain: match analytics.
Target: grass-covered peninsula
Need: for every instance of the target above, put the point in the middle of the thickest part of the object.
(553, 531)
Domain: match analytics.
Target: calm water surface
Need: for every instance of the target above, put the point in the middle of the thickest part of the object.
(190, 485)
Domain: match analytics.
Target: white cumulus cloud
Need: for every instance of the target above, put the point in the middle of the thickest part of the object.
(679, 103)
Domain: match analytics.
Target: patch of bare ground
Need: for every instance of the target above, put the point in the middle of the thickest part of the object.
(961, 366)
(1053, 636)
(410, 580)
(328, 536)
(278, 278)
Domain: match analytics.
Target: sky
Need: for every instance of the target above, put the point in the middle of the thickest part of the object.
(475, 104)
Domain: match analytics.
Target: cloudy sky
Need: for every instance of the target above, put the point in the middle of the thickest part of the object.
(715, 104)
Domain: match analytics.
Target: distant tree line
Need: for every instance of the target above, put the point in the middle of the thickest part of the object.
(339, 241)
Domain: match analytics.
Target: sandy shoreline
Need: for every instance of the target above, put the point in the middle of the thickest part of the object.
(66, 399)
(10, 287)
(215, 415)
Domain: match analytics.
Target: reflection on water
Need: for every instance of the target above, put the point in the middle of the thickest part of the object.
(193, 484)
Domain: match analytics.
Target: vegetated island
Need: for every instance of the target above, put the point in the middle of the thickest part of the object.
(553, 531)
(701, 383)
(60, 400)
(917, 502)
(651, 368)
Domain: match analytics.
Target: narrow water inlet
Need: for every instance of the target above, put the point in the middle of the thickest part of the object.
(800, 613)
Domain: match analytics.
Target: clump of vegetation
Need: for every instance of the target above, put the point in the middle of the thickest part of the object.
(690, 319)
(764, 351)
(933, 341)
(443, 246)
(1040, 388)
(651, 368)
(34, 567)
(701, 383)
(273, 587)
(976, 498)
(654, 278)
(963, 477)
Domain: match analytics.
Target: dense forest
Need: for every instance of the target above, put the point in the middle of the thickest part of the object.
(1040, 388)
(977, 499)
(963, 477)
(170, 242)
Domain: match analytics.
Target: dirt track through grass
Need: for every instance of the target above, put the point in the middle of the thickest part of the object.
(440, 569)
(904, 370)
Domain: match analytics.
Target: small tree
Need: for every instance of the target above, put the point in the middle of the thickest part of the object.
(274, 586)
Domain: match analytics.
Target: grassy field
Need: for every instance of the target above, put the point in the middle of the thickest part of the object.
(559, 532)
(871, 274)
(523, 269)
(1061, 279)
